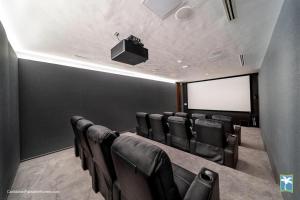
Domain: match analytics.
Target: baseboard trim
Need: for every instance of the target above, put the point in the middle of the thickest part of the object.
(273, 166)
(12, 182)
(45, 154)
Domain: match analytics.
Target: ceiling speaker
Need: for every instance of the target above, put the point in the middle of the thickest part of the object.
(162, 8)
(184, 13)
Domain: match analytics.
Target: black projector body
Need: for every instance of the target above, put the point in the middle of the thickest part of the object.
(129, 51)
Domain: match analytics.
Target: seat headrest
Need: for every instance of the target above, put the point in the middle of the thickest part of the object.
(141, 114)
(99, 133)
(168, 113)
(199, 115)
(83, 124)
(177, 119)
(222, 118)
(181, 114)
(75, 118)
(156, 116)
(208, 123)
(141, 155)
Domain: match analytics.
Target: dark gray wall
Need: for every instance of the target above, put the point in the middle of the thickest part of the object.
(9, 115)
(279, 82)
(51, 94)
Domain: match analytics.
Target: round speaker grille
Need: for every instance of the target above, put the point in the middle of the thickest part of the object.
(185, 12)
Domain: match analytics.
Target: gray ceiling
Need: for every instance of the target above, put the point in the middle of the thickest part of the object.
(207, 42)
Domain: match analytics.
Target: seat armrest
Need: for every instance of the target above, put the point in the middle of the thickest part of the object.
(192, 123)
(231, 151)
(194, 133)
(76, 147)
(204, 187)
(150, 133)
(193, 146)
(116, 133)
(237, 131)
(137, 130)
(116, 191)
(191, 128)
(169, 138)
(232, 140)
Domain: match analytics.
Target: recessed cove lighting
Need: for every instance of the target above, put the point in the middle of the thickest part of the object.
(40, 57)
(185, 66)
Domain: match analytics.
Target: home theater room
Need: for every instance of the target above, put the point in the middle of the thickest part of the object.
(149, 100)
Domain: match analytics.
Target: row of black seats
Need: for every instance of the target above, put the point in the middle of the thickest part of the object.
(215, 139)
(128, 168)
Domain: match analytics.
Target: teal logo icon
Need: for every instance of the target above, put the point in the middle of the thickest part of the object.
(286, 183)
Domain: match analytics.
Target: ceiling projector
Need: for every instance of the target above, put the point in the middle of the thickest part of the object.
(130, 51)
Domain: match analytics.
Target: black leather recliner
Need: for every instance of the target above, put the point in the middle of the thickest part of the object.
(143, 124)
(145, 172)
(211, 143)
(182, 114)
(195, 116)
(77, 146)
(82, 126)
(100, 140)
(180, 133)
(159, 128)
(87, 156)
(228, 126)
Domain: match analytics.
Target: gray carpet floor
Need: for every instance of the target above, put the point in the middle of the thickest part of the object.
(61, 177)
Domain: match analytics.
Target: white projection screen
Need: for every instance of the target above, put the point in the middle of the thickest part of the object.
(229, 94)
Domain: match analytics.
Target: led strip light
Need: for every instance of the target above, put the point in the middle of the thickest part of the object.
(29, 55)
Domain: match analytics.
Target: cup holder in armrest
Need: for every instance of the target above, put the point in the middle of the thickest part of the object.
(205, 186)
(207, 175)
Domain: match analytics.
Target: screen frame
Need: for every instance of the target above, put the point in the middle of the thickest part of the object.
(212, 79)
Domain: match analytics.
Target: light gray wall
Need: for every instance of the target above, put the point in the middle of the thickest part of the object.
(9, 115)
(50, 94)
(279, 86)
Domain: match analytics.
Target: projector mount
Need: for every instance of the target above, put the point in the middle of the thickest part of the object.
(133, 39)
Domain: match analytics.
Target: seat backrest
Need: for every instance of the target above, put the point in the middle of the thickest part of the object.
(210, 132)
(198, 116)
(182, 114)
(74, 120)
(143, 122)
(179, 128)
(100, 140)
(82, 127)
(144, 171)
(159, 127)
(227, 120)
